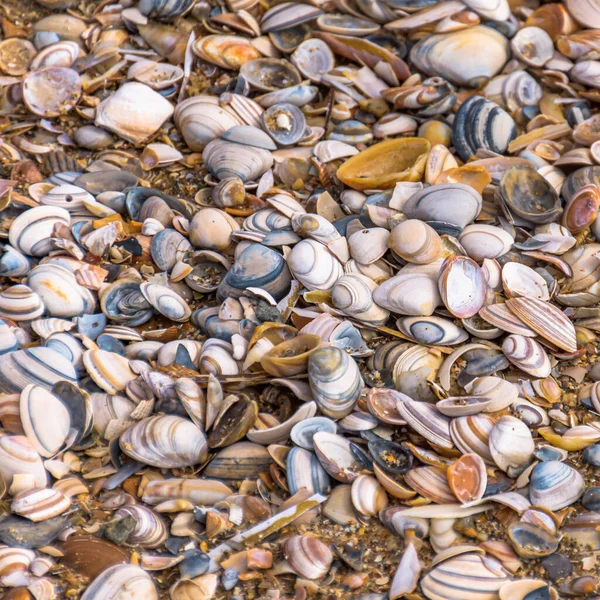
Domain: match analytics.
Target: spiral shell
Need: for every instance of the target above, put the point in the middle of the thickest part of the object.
(335, 381)
(165, 441)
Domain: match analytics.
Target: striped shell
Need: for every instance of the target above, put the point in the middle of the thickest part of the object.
(17, 456)
(20, 303)
(427, 421)
(150, 530)
(167, 302)
(202, 492)
(110, 371)
(368, 495)
(121, 582)
(308, 556)
(471, 435)
(39, 504)
(165, 441)
(30, 233)
(304, 470)
(314, 266)
(527, 354)
(555, 485)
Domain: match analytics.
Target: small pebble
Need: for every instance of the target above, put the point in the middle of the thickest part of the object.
(591, 498)
(557, 566)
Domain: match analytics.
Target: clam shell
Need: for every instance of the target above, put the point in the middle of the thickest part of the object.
(165, 441)
(270, 74)
(39, 504)
(546, 320)
(481, 123)
(432, 330)
(134, 112)
(368, 496)
(462, 286)
(554, 485)
(308, 556)
(285, 123)
(368, 245)
(30, 233)
(18, 456)
(226, 51)
(581, 209)
(149, 532)
(20, 303)
(458, 56)
(166, 302)
(335, 381)
(121, 581)
(243, 460)
(415, 242)
(467, 478)
(500, 316)
(353, 293)
(485, 241)
(51, 91)
(501, 392)
(431, 483)
(337, 456)
(414, 293)
(527, 354)
(471, 435)
(533, 46)
(521, 280)
(203, 492)
(313, 59)
(167, 248)
(511, 443)
(427, 421)
(313, 265)
(226, 159)
(304, 470)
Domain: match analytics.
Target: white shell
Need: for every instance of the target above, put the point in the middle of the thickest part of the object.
(31, 231)
(485, 241)
(511, 443)
(314, 266)
(121, 582)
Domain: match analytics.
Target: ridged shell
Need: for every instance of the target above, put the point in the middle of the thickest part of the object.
(335, 381)
(30, 233)
(468, 575)
(485, 241)
(458, 56)
(165, 441)
(20, 303)
(227, 159)
(60, 292)
(462, 285)
(527, 354)
(481, 123)
(38, 365)
(555, 485)
(110, 371)
(308, 556)
(546, 320)
(314, 265)
(40, 504)
(121, 582)
(500, 316)
(511, 443)
(17, 456)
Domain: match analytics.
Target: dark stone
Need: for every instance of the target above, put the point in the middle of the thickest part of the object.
(557, 566)
(591, 499)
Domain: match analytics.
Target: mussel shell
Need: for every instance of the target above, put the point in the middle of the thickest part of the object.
(390, 456)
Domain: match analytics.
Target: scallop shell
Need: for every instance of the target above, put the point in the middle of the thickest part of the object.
(462, 286)
(555, 485)
(39, 504)
(120, 582)
(134, 112)
(511, 443)
(30, 233)
(458, 56)
(335, 381)
(166, 442)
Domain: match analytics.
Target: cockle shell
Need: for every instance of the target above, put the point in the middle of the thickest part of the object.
(30, 233)
(121, 582)
(134, 112)
(527, 354)
(39, 504)
(165, 441)
(457, 56)
(511, 443)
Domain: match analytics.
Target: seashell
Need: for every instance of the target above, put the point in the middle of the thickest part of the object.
(200, 120)
(198, 491)
(261, 267)
(165, 9)
(107, 408)
(226, 51)
(520, 89)
(582, 209)
(414, 293)
(252, 136)
(239, 461)
(30, 233)
(462, 286)
(502, 393)
(500, 316)
(519, 590)
(546, 320)
(17, 456)
(554, 485)
(288, 15)
(485, 241)
(216, 358)
(313, 265)
(92, 138)
(353, 293)
(290, 357)
(40, 504)
(149, 532)
(120, 113)
(61, 54)
(270, 74)
(427, 421)
(51, 91)
(453, 203)
(368, 496)
(226, 159)
(308, 556)
(298, 95)
(335, 381)
(521, 281)
(431, 483)
(109, 370)
(368, 245)
(61, 294)
(527, 354)
(481, 123)
(285, 123)
(415, 242)
(457, 56)
(458, 406)
(159, 155)
(166, 302)
(118, 582)
(490, 10)
(533, 46)
(168, 247)
(531, 541)
(511, 444)
(304, 470)
(337, 456)
(467, 478)
(13, 263)
(20, 303)
(529, 195)
(471, 435)
(165, 441)
(467, 573)
(431, 330)
(123, 302)
(38, 365)
(384, 164)
(313, 58)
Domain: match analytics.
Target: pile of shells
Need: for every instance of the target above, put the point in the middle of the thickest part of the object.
(299, 299)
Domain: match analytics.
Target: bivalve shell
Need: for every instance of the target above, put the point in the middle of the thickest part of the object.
(415, 242)
(39, 504)
(467, 478)
(52, 91)
(110, 371)
(308, 556)
(554, 485)
(228, 159)
(167, 302)
(511, 443)
(17, 456)
(368, 495)
(314, 266)
(20, 303)
(485, 241)
(121, 582)
(527, 354)
(462, 285)
(31, 232)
